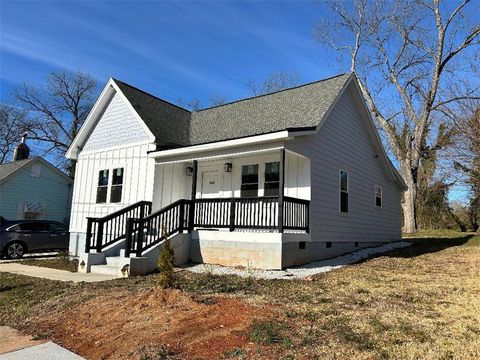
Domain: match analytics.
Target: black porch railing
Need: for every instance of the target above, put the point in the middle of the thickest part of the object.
(143, 230)
(104, 231)
(232, 213)
(143, 233)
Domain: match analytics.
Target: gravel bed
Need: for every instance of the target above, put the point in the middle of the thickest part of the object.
(300, 272)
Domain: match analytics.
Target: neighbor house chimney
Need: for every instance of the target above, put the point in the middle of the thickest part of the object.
(22, 151)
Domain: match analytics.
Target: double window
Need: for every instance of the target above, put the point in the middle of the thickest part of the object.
(250, 180)
(115, 188)
(343, 191)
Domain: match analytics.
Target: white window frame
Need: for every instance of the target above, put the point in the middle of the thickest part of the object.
(375, 196)
(340, 191)
(110, 169)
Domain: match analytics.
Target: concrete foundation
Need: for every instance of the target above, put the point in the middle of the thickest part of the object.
(256, 250)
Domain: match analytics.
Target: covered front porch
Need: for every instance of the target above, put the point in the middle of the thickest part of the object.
(262, 189)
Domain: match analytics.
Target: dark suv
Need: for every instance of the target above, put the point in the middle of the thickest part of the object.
(22, 236)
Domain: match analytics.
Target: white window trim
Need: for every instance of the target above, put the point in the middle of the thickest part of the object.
(375, 196)
(340, 191)
(109, 185)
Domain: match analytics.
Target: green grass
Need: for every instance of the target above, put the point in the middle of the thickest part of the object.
(418, 302)
(19, 296)
(60, 262)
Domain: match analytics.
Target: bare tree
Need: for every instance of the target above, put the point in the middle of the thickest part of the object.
(12, 126)
(274, 82)
(59, 110)
(468, 160)
(406, 54)
(192, 105)
(217, 100)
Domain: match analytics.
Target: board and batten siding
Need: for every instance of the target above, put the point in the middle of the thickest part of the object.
(119, 140)
(343, 143)
(49, 189)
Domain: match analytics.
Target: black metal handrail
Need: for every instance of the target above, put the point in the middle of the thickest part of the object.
(253, 213)
(296, 214)
(231, 213)
(104, 231)
(143, 233)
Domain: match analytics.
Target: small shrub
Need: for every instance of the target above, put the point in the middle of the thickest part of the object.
(166, 262)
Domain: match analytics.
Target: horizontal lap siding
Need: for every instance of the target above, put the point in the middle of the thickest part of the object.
(343, 143)
(50, 189)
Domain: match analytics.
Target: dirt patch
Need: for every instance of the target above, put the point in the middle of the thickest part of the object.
(120, 325)
(14, 340)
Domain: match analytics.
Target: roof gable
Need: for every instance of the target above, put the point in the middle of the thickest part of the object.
(9, 170)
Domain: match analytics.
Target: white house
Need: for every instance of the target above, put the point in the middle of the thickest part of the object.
(267, 182)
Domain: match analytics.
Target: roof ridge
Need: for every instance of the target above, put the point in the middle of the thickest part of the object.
(274, 92)
(23, 160)
(146, 93)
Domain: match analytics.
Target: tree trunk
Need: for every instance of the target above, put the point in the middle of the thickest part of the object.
(409, 206)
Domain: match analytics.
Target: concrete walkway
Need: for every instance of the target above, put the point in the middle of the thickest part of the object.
(47, 351)
(53, 274)
(16, 346)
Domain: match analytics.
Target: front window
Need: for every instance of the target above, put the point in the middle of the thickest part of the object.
(117, 184)
(249, 186)
(343, 191)
(102, 187)
(272, 178)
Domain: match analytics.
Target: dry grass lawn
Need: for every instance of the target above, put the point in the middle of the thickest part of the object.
(422, 302)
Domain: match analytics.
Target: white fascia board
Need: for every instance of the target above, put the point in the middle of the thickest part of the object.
(232, 154)
(377, 141)
(281, 135)
(77, 143)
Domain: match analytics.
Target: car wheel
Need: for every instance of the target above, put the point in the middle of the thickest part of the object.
(15, 250)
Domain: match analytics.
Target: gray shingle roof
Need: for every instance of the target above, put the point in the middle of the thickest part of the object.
(299, 107)
(8, 169)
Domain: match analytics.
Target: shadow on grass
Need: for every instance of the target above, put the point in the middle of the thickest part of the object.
(427, 245)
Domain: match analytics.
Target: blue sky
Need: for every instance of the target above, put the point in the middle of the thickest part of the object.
(171, 49)
(175, 50)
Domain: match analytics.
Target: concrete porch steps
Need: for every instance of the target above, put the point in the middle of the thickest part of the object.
(105, 270)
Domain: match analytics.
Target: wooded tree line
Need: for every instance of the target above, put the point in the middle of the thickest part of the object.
(417, 63)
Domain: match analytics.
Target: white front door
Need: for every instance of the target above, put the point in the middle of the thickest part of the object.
(211, 184)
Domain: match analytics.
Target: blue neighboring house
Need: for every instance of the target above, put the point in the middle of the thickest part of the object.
(32, 188)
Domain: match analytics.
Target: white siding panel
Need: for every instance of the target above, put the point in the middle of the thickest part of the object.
(117, 126)
(136, 165)
(343, 143)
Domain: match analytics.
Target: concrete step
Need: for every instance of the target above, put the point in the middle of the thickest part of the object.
(115, 260)
(104, 269)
